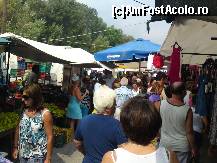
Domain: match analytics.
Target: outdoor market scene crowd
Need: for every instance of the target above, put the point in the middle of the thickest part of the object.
(136, 117)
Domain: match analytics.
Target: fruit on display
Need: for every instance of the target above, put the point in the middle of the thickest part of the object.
(55, 110)
(8, 120)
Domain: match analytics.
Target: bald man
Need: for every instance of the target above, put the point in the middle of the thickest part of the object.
(177, 124)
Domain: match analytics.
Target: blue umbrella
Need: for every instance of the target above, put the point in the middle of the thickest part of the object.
(136, 49)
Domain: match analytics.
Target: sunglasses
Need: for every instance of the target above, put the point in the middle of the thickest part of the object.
(25, 97)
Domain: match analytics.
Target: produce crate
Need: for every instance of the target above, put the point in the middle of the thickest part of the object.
(59, 140)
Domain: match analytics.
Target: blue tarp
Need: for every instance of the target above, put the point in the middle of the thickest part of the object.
(136, 49)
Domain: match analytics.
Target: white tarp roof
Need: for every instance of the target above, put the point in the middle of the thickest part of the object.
(48, 53)
(194, 36)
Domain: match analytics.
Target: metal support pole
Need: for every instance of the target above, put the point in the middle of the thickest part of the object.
(8, 77)
(139, 65)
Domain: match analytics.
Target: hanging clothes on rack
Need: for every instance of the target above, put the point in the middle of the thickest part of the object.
(213, 124)
(201, 103)
(150, 62)
(174, 72)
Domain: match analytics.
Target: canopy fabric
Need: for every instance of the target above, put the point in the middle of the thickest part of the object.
(48, 53)
(33, 50)
(194, 37)
(138, 49)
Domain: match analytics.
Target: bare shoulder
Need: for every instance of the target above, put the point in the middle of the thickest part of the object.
(107, 158)
(46, 113)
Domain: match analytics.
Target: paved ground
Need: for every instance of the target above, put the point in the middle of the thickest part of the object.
(68, 154)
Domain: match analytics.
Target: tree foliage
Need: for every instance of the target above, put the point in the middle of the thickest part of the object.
(62, 22)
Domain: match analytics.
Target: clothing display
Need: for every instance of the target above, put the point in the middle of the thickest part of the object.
(74, 109)
(158, 61)
(201, 103)
(190, 72)
(150, 62)
(174, 72)
(213, 125)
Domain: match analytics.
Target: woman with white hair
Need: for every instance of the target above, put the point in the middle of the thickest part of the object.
(99, 133)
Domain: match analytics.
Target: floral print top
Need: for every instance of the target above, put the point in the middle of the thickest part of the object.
(32, 136)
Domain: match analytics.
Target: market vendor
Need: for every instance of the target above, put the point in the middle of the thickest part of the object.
(32, 77)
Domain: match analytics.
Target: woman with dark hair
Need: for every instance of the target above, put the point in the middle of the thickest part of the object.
(34, 136)
(141, 123)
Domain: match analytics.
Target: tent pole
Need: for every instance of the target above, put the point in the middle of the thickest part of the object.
(7, 77)
(139, 65)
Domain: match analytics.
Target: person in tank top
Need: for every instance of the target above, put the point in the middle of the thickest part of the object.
(177, 125)
(34, 135)
(141, 123)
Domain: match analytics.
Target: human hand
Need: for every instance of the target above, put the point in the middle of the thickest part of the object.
(194, 152)
(87, 92)
(15, 153)
(47, 161)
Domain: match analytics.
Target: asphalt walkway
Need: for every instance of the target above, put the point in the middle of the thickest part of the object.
(68, 154)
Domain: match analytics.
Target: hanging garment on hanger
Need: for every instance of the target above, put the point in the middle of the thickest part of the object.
(174, 72)
(201, 103)
(158, 61)
(150, 62)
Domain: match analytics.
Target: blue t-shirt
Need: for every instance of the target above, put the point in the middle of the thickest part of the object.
(99, 134)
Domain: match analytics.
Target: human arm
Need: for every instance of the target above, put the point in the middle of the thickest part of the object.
(48, 126)
(15, 146)
(107, 158)
(157, 105)
(205, 123)
(189, 131)
(78, 94)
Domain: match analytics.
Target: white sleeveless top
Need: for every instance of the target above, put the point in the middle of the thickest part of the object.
(124, 156)
(173, 132)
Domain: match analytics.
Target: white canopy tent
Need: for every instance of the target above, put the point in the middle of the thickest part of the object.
(194, 36)
(42, 52)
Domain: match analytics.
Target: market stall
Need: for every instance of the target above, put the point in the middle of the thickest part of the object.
(194, 37)
(28, 53)
(191, 48)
